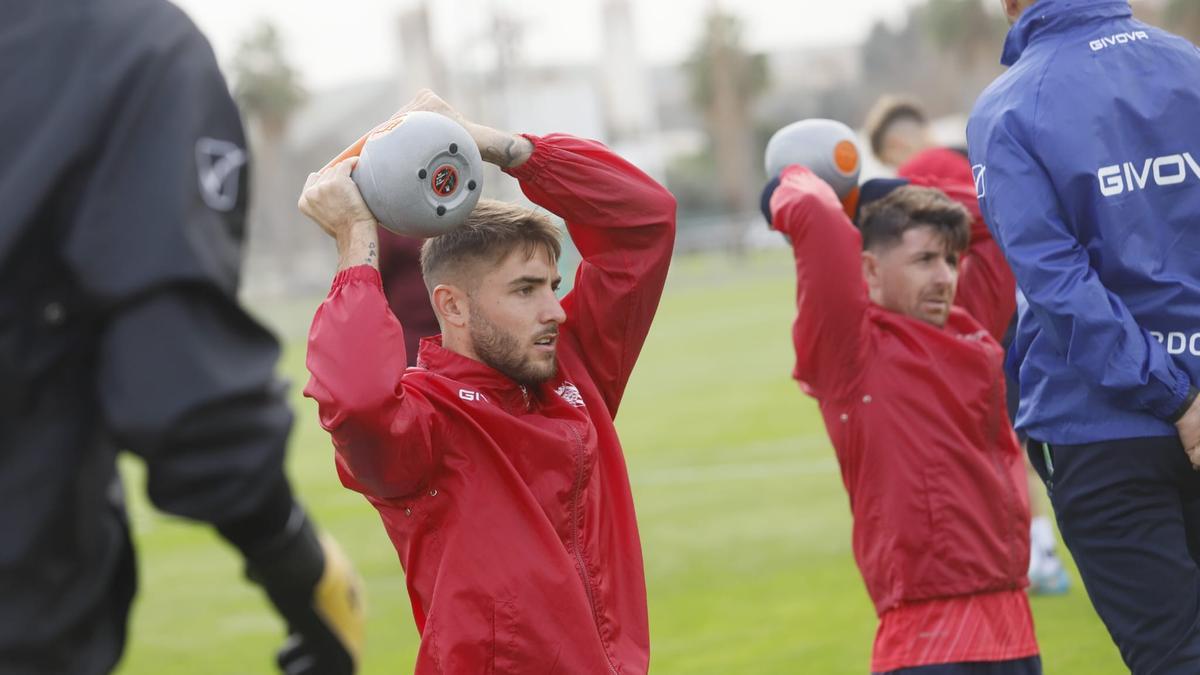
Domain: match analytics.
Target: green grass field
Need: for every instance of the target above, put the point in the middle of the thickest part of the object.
(744, 521)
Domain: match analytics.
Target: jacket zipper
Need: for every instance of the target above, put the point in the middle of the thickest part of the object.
(577, 549)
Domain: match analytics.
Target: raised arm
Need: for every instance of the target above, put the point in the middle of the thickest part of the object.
(623, 224)
(383, 432)
(831, 298)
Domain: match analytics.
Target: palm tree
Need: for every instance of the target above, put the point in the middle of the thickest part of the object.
(725, 81)
(964, 31)
(268, 91)
(266, 87)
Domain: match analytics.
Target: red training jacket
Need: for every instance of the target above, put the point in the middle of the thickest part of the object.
(915, 413)
(510, 508)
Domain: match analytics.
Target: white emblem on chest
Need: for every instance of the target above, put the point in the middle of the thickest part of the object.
(570, 394)
(977, 336)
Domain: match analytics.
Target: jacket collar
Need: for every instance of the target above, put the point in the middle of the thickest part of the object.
(432, 356)
(1046, 16)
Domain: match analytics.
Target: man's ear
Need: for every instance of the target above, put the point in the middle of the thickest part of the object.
(870, 270)
(1012, 9)
(451, 305)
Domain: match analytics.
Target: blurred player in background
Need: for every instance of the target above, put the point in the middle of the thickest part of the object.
(911, 391)
(901, 138)
(407, 296)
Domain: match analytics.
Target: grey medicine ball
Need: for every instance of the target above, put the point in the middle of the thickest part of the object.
(827, 147)
(421, 175)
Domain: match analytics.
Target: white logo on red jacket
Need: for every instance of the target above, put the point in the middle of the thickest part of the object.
(468, 395)
(570, 394)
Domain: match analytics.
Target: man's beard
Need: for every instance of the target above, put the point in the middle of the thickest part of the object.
(503, 351)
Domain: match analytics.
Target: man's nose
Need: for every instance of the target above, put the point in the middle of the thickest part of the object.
(553, 311)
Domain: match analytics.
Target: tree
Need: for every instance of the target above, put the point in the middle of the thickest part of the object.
(266, 87)
(946, 52)
(720, 53)
(725, 80)
(962, 30)
(268, 91)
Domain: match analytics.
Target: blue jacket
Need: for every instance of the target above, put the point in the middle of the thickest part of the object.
(1086, 155)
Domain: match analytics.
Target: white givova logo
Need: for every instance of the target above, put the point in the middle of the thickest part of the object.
(219, 164)
(1155, 171)
(468, 395)
(1118, 39)
(979, 171)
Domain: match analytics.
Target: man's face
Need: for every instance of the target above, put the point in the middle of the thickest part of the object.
(904, 139)
(916, 277)
(514, 317)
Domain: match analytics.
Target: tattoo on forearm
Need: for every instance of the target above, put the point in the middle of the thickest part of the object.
(503, 156)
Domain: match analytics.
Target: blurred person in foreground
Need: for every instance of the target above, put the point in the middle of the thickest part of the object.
(494, 463)
(912, 393)
(901, 138)
(1085, 154)
(124, 193)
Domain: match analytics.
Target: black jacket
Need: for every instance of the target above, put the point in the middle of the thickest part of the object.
(122, 202)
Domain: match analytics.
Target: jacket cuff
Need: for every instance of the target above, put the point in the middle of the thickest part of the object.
(1188, 400)
(363, 273)
(532, 166)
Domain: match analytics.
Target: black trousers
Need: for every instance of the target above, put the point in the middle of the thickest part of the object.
(1029, 666)
(1129, 511)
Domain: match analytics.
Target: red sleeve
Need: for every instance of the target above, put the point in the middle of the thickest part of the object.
(623, 224)
(831, 298)
(987, 289)
(382, 430)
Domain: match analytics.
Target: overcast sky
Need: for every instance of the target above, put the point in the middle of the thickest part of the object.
(337, 41)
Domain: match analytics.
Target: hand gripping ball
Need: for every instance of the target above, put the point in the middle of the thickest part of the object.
(420, 174)
(828, 148)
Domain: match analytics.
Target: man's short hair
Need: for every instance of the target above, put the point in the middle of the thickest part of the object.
(887, 112)
(884, 221)
(492, 231)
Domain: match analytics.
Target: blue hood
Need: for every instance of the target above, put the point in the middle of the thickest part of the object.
(1054, 15)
